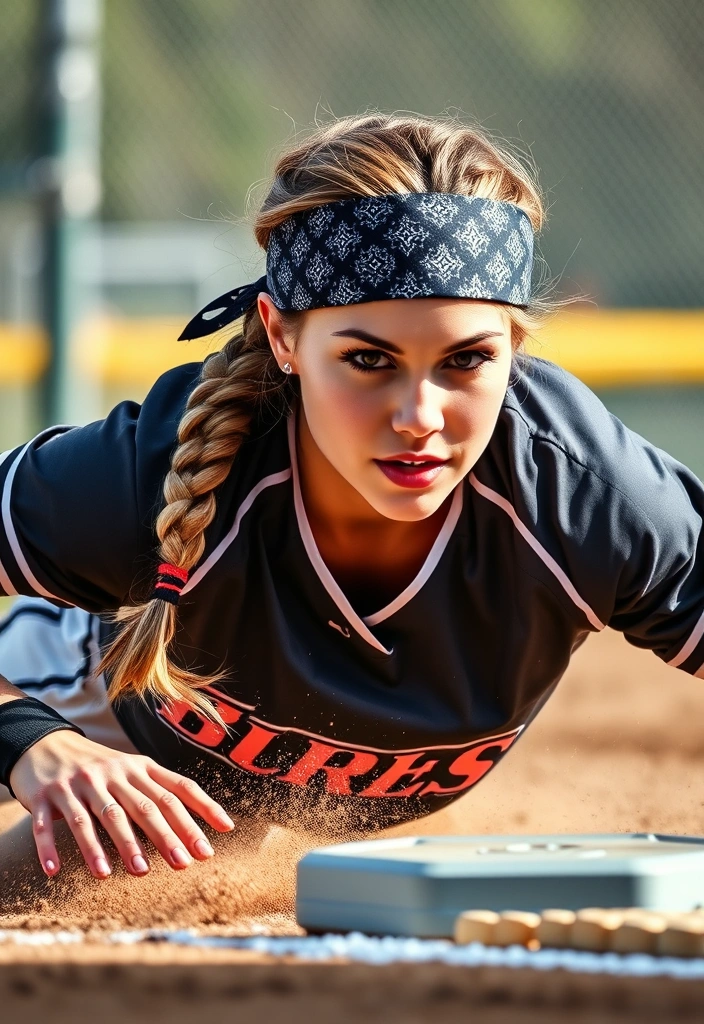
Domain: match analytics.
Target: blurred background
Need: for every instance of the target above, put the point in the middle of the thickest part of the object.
(131, 131)
(130, 134)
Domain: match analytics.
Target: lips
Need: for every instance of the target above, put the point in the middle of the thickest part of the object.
(412, 470)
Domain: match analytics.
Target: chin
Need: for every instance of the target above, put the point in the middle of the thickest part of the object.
(408, 507)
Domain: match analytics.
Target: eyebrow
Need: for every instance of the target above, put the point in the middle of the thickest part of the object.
(388, 346)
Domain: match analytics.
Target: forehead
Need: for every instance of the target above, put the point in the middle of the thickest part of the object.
(407, 320)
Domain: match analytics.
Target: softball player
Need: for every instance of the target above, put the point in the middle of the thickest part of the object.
(333, 571)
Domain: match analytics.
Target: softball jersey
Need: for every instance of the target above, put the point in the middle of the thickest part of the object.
(568, 522)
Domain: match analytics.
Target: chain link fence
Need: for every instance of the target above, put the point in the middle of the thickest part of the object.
(607, 99)
(18, 126)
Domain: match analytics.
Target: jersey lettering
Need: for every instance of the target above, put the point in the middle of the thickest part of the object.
(404, 764)
(473, 765)
(301, 759)
(251, 746)
(206, 733)
(317, 758)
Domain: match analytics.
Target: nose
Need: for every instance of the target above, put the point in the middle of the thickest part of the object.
(419, 410)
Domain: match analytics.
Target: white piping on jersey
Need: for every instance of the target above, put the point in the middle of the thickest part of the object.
(434, 556)
(10, 531)
(361, 625)
(381, 750)
(323, 573)
(194, 742)
(534, 543)
(689, 648)
(4, 578)
(429, 749)
(267, 481)
(342, 744)
(220, 695)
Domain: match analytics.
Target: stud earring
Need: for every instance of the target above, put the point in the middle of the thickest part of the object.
(287, 368)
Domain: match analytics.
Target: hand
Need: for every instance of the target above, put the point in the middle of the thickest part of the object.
(65, 775)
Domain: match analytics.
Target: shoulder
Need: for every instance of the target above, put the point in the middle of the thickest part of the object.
(595, 500)
(550, 418)
(79, 501)
(124, 455)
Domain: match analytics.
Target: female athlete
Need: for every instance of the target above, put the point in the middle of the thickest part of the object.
(335, 569)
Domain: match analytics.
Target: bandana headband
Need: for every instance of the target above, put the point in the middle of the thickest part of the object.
(398, 246)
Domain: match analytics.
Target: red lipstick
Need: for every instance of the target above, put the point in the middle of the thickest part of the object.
(412, 469)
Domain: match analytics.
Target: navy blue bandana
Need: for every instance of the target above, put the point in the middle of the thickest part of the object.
(398, 246)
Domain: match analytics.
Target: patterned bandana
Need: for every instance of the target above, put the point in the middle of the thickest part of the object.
(399, 246)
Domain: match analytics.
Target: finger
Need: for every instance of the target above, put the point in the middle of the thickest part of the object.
(79, 820)
(43, 831)
(146, 813)
(190, 794)
(116, 823)
(176, 815)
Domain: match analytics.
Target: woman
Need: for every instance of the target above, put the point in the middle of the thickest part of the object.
(378, 531)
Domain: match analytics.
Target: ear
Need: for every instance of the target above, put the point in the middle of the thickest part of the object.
(271, 318)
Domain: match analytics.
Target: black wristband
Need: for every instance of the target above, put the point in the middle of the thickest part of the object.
(22, 723)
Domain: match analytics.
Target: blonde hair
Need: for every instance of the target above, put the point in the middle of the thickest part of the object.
(365, 155)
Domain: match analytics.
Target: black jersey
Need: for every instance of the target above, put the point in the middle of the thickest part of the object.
(568, 522)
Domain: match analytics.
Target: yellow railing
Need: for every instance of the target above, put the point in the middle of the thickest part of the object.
(628, 346)
(23, 354)
(602, 347)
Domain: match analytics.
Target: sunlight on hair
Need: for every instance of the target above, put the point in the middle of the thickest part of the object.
(366, 155)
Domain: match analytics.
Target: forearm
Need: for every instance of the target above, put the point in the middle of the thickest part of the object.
(8, 692)
(24, 721)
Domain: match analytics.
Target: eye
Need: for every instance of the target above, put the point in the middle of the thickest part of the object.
(367, 359)
(468, 360)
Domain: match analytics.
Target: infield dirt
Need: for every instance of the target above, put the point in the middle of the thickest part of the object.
(618, 748)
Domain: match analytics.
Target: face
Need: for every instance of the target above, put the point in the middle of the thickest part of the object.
(399, 398)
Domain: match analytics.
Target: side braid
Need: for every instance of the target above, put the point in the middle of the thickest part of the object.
(361, 155)
(233, 384)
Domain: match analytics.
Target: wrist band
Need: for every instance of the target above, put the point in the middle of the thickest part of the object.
(22, 723)
(170, 581)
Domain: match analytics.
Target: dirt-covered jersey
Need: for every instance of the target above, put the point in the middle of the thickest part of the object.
(568, 522)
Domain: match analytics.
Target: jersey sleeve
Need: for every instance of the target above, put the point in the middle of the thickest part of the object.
(78, 504)
(625, 518)
(659, 600)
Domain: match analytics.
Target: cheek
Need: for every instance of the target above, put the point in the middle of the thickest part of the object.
(471, 414)
(337, 410)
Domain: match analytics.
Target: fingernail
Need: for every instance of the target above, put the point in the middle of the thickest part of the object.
(204, 848)
(180, 858)
(49, 865)
(139, 865)
(102, 867)
(226, 819)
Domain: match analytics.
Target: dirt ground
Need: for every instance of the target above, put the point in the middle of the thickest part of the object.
(618, 748)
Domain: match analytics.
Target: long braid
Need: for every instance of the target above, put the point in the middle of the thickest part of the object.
(234, 383)
(371, 154)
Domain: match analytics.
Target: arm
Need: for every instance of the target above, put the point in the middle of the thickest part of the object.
(65, 775)
(8, 692)
(77, 528)
(79, 505)
(659, 602)
(623, 520)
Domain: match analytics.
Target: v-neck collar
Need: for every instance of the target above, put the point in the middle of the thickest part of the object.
(362, 623)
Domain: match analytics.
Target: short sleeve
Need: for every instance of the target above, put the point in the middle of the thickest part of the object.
(660, 592)
(621, 519)
(78, 504)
